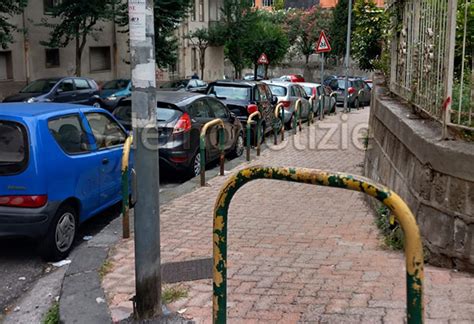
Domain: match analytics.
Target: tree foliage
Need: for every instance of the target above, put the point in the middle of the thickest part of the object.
(304, 26)
(202, 38)
(9, 8)
(77, 20)
(338, 28)
(371, 29)
(238, 19)
(268, 38)
(469, 49)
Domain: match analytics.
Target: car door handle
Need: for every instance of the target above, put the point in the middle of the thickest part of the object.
(105, 161)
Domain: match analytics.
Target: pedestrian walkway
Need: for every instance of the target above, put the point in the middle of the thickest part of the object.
(296, 253)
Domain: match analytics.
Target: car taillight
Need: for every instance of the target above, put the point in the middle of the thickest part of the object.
(24, 201)
(286, 104)
(183, 124)
(252, 108)
(314, 92)
(351, 90)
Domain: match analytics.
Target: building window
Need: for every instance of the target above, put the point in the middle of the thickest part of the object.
(194, 59)
(52, 57)
(6, 66)
(268, 3)
(201, 10)
(49, 5)
(193, 11)
(99, 58)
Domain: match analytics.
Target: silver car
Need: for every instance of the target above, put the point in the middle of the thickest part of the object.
(317, 90)
(288, 93)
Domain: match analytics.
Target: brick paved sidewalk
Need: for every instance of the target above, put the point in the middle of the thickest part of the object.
(296, 253)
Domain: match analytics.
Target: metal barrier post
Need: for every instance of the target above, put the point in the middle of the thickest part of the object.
(280, 113)
(321, 106)
(202, 147)
(259, 124)
(125, 187)
(221, 148)
(311, 109)
(413, 246)
(249, 122)
(297, 115)
(334, 94)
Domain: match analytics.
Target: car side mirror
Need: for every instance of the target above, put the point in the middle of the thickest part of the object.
(274, 100)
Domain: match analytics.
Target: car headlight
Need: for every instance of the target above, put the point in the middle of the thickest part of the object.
(112, 98)
(31, 100)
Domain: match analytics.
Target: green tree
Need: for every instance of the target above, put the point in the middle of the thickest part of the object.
(238, 17)
(267, 38)
(304, 26)
(279, 4)
(202, 38)
(78, 19)
(9, 8)
(370, 32)
(338, 29)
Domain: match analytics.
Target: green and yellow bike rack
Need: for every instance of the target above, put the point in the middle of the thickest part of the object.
(202, 147)
(311, 110)
(279, 117)
(297, 116)
(125, 187)
(321, 107)
(413, 246)
(334, 95)
(249, 125)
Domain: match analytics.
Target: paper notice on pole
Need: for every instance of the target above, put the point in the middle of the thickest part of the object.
(143, 75)
(137, 20)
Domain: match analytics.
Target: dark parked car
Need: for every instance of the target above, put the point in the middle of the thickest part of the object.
(245, 97)
(358, 91)
(180, 118)
(194, 85)
(64, 90)
(112, 92)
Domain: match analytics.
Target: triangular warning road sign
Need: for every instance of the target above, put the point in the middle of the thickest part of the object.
(323, 44)
(263, 59)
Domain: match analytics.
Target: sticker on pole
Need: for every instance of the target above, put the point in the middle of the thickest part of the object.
(263, 59)
(323, 44)
(137, 20)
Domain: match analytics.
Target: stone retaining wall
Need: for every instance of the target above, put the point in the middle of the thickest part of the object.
(435, 178)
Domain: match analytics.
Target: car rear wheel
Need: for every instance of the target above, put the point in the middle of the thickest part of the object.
(356, 103)
(239, 147)
(61, 234)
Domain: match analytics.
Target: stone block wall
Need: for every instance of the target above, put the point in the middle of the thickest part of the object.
(434, 177)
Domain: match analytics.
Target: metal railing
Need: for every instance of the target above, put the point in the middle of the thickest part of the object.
(280, 113)
(424, 66)
(202, 148)
(297, 118)
(249, 126)
(126, 187)
(413, 246)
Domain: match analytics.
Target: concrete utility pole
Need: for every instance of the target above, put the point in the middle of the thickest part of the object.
(348, 53)
(147, 208)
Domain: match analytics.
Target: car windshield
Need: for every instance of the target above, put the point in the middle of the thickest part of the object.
(163, 113)
(13, 147)
(231, 93)
(278, 91)
(115, 85)
(39, 86)
(342, 83)
(175, 84)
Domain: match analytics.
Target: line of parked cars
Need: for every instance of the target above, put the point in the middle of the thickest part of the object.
(60, 152)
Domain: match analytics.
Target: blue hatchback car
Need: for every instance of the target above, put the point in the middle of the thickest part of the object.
(59, 165)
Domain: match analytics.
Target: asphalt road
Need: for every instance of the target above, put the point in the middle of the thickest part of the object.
(21, 266)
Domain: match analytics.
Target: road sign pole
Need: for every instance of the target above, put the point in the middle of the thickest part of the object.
(348, 53)
(147, 208)
(322, 87)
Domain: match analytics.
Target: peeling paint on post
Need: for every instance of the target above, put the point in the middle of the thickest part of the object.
(248, 126)
(297, 116)
(202, 147)
(413, 247)
(125, 187)
(280, 113)
(147, 208)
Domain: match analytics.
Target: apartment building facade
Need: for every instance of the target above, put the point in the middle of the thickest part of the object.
(106, 54)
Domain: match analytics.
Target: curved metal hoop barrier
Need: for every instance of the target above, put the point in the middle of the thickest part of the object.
(413, 246)
(125, 187)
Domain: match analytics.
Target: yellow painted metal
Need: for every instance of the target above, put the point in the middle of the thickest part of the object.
(125, 187)
(298, 114)
(280, 111)
(213, 122)
(311, 104)
(249, 121)
(413, 245)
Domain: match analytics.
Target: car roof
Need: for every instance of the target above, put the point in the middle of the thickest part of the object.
(236, 82)
(309, 84)
(177, 97)
(280, 83)
(21, 109)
